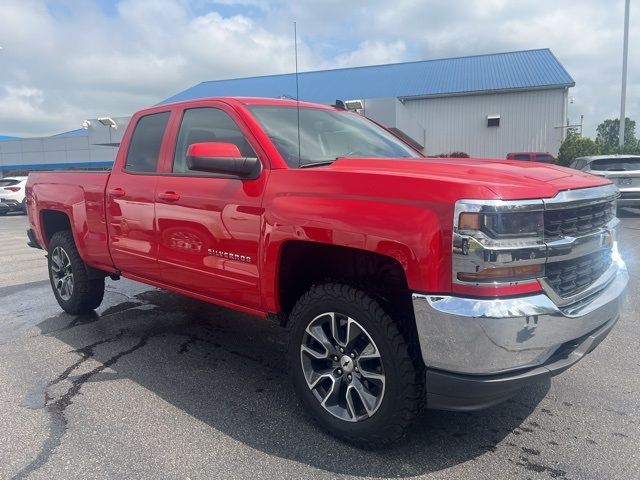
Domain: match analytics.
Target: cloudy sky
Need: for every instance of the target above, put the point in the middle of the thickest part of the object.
(62, 61)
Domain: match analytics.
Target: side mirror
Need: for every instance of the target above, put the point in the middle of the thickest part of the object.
(222, 158)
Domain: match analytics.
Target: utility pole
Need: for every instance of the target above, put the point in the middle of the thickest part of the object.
(623, 95)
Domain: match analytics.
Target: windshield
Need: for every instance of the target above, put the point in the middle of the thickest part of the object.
(616, 164)
(6, 182)
(326, 135)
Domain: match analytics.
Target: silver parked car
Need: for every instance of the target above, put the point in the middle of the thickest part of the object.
(623, 170)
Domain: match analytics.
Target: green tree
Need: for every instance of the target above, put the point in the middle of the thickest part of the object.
(607, 136)
(574, 146)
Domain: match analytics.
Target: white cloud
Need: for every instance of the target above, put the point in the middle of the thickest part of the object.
(89, 63)
(24, 108)
(63, 61)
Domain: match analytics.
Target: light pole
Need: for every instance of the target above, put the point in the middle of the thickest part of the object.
(623, 94)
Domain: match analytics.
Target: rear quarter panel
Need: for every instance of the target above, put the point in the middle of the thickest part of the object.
(79, 195)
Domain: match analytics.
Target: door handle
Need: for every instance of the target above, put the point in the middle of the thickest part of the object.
(117, 192)
(169, 196)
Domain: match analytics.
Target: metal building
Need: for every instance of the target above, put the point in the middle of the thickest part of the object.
(484, 105)
(93, 146)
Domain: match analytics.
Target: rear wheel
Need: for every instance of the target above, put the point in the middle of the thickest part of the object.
(72, 286)
(351, 366)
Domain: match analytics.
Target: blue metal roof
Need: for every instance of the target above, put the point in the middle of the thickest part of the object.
(56, 166)
(498, 71)
(80, 132)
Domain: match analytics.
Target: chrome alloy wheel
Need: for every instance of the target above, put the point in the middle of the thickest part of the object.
(342, 366)
(61, 273)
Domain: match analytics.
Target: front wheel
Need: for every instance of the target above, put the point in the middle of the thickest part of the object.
(351, 366)
(74, 290)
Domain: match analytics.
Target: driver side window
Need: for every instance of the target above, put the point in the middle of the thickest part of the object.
(207, 124)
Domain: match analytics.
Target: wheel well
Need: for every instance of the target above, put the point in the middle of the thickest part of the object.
(54, 221)
(303, 264)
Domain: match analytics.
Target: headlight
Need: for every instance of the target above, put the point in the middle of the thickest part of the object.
(498, 242)
(504, 224)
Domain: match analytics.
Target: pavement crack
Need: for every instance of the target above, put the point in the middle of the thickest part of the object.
(191, 339)
(56, 409)
(85, 353)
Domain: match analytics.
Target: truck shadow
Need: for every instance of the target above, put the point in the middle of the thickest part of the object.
(228, 370)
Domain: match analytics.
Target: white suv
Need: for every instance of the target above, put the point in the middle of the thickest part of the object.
(623, 170)
(12, 194)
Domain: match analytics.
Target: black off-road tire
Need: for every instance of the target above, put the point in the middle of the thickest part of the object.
(87, 292)
(404, 389)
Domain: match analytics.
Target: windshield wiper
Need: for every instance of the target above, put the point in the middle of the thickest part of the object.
(317, 164)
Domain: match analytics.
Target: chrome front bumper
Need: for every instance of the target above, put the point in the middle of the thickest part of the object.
(494, 336)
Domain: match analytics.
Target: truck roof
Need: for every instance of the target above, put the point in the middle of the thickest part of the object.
(528, 153)
(591, 158)
(284, 102)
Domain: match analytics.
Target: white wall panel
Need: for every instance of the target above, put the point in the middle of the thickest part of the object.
(32, 145)
(55, 156)
(11, 159)
(11, 146)
(528, 122)
(32, 157)
(103, 154)
(78, 156)
(54, 144)
(76, 143)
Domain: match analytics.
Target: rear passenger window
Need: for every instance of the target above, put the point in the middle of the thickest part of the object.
(146, 140)
(545, 158)
(207, 125)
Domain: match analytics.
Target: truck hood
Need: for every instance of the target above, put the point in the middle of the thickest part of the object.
(508, 179)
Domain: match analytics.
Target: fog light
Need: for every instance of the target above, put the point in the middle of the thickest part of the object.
(503, 274)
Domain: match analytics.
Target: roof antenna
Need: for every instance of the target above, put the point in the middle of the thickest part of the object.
(295, 46)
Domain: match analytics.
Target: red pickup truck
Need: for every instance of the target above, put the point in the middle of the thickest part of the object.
(405, 281)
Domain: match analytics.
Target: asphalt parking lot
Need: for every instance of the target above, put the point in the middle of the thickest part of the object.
(154, 385)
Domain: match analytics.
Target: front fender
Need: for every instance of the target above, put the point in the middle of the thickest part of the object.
(410, 232)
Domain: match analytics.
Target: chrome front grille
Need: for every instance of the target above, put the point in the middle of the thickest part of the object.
(577, 221)
(579, 231)
(570, 277)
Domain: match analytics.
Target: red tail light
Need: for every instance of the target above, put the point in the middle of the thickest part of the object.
(13, 189)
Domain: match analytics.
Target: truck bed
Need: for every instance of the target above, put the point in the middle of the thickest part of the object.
(81, 195)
